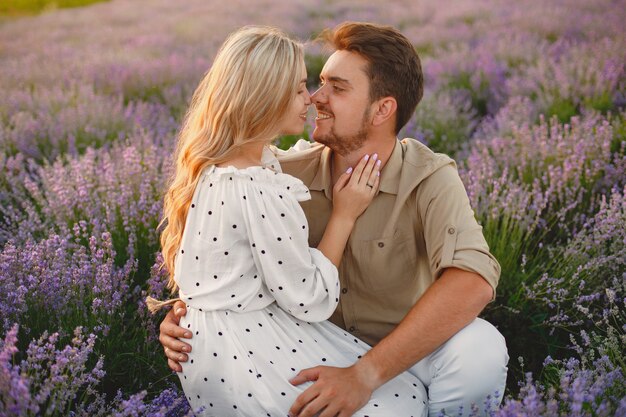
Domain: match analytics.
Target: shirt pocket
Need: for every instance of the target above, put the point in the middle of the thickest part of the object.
(385, 263)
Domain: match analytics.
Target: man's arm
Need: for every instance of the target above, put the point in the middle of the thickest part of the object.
(449, 304)
(169, 333)
(455, 246)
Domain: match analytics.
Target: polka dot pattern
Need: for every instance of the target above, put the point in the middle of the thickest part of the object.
(246, 360)
(258, 298)
(237, 252)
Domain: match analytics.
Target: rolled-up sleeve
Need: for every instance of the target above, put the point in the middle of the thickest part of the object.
(452, 235)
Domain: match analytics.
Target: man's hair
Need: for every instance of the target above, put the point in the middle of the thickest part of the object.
(394, 68)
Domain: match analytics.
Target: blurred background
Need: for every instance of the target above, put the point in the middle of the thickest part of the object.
(529, 97)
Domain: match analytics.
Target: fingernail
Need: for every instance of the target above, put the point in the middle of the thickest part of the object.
(349, 170)
(185, 349)
(181, 358)
(188, 335)
(178, 310)
(378, 162)
(374, 156)
(366, 157)
(378, 173)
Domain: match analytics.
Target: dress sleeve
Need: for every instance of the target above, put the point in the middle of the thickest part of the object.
(301, 279)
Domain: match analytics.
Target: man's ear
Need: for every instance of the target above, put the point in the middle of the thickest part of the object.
(384, 110)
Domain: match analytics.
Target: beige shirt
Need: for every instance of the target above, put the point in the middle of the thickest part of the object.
(418, 224)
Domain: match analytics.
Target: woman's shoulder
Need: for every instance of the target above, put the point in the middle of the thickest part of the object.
(258, 176)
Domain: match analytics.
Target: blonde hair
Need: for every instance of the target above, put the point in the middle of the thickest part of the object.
(240, 100)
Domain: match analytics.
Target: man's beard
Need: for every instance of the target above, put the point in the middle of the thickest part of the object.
(345, 145)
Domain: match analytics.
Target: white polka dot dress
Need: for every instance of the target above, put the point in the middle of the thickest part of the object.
(258, 298)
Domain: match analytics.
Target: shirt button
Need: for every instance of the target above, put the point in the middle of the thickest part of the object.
(352, 328)
(381, 244)
(451, 230)
(345, 290)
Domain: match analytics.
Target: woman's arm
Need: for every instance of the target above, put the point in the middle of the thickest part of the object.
(346, 208)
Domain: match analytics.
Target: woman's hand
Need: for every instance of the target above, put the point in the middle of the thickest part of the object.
(352, 193)
(356, 188)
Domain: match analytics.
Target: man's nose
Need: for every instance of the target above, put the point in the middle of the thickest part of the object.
(319, 95)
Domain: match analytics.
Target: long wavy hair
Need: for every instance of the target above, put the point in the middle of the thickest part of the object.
(241, 99)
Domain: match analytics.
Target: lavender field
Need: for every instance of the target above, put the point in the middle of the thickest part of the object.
(529, 97)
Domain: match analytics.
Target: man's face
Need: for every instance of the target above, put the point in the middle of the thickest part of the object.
(342, 102)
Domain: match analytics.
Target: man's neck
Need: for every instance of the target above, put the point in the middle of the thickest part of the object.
(381, 146)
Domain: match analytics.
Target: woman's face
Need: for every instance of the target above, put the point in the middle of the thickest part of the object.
(293, 121)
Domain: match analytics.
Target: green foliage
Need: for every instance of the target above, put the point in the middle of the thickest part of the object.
(618, 143)
(443, 123)
(478, 95)
(133, 359)
(17, 7)
(314, 65)
(602, 102)
(563, 109)
(425, 49)
(287, 141)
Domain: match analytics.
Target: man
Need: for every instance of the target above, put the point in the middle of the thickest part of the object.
(416, 271)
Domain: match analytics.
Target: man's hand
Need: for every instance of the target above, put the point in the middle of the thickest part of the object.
(170, 331)
(336, 392)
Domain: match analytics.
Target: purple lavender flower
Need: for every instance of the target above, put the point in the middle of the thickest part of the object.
(47, 377)
(596, 391)
(156, 288)
(444, 121)
(118, 191)
(92, 98)
(538, 171)
(43, 277)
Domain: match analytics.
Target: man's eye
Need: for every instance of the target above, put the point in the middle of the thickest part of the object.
(337, 88)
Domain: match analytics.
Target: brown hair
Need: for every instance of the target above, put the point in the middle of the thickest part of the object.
(394, 67)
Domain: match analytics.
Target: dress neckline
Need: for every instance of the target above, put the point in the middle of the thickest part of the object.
(264, 175)
(231, 167)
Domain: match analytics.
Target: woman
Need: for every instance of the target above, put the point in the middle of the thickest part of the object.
(236, 241)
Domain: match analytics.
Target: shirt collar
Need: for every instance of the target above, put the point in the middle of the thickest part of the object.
(323, 179)
(390, 176)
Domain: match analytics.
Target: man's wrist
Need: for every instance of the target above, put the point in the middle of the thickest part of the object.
(369, 372)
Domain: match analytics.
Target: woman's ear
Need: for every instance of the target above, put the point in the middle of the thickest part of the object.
(384, 110)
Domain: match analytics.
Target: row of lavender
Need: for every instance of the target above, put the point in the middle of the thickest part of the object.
(528, 97)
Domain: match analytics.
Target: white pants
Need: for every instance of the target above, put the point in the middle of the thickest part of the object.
(466, 369)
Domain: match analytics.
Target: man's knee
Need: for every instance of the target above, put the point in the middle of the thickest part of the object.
(478, 343)
(468, 368)
(478, 357)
